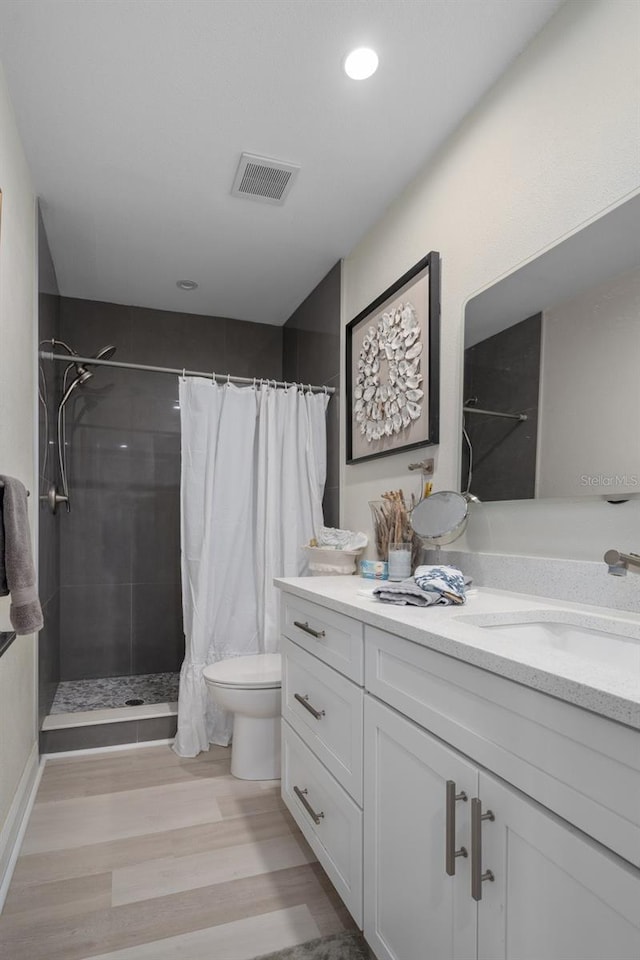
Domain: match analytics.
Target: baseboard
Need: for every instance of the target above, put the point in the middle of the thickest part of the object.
(14, 827)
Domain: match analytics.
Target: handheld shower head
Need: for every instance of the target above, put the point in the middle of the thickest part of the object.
(82, 375)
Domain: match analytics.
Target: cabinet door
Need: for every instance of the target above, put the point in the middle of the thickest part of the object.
(557, 895)
(413, 909)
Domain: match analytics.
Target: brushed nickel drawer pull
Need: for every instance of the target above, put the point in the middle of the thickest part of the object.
(302, 797)
(477, 876)
(450, 828)
(318, 634)
(304, 700)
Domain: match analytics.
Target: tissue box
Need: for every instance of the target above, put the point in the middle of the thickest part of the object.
(374, 569)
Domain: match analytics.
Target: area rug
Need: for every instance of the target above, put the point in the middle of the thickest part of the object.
(339, 946)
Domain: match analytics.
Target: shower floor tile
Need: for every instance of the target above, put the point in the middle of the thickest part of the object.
(73, 696)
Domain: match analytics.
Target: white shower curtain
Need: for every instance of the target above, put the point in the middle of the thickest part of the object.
(253, 473)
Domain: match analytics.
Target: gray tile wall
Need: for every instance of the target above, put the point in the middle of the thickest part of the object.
(120, 599)
(49, 525)
(311, 354)
(503, 372)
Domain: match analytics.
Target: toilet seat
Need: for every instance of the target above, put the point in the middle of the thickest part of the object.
(260, 672)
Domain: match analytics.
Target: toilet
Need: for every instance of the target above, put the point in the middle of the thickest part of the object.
(249, 687)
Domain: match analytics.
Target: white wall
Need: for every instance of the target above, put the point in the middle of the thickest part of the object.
(552, 146)
(588, 431)
(17, 434)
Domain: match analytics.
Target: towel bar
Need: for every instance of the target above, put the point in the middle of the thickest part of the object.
(2, 485)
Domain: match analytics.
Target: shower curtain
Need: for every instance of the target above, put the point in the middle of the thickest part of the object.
(252, 480)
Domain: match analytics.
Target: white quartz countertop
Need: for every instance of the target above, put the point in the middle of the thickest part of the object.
(605, 688)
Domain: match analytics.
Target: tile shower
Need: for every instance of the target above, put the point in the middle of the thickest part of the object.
(114, 584)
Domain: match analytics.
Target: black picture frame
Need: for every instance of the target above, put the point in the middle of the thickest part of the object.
(428, 309)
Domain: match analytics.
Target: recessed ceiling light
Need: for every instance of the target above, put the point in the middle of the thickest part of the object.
(361, 63)
(187, 285)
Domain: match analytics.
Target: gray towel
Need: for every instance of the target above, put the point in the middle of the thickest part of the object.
(17, 572)
(430, 585)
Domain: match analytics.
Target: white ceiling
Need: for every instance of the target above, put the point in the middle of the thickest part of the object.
(134, 113)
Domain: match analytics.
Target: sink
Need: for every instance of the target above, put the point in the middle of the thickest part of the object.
(598, 640)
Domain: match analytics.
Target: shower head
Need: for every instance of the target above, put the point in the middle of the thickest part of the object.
(106, 352)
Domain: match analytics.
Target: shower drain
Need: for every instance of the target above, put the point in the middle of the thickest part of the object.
(134, 702)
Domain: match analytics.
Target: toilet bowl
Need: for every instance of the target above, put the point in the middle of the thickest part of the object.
(249, 687)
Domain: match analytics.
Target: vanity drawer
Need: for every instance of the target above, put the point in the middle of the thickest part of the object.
(326, 710)
(327, 816)
(584, 767)
(330, 636)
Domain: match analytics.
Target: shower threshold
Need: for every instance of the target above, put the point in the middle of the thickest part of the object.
(106, 712)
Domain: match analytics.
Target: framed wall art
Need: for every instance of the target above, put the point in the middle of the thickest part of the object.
(393, 367)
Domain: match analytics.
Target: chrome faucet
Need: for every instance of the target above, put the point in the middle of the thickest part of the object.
(619, 563)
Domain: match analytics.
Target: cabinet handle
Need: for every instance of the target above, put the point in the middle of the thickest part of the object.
(304, 700)
(450, 829)
(318, 634)
(477, 876)
(301, 795)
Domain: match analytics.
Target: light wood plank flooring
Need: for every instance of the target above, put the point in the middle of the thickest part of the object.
(141, 855)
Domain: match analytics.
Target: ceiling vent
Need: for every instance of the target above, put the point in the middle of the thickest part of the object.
(259, 178)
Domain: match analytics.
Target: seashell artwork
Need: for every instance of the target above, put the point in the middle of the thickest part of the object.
(415, 395)
(387, 394)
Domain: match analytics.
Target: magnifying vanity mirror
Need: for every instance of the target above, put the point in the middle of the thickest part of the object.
(551, 371)
(441, 518)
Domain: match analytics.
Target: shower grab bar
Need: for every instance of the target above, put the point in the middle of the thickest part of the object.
(181, 372)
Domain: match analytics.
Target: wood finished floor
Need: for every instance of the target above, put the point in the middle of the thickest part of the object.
(142, 855)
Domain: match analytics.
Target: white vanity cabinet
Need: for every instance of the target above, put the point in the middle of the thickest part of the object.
(322, 724)
(499, 822)
(542, 890)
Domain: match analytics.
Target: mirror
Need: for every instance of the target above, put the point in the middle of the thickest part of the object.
(552, 361)
(440, 518)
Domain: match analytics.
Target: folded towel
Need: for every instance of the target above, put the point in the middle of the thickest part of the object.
(430, 585)
(17, 572)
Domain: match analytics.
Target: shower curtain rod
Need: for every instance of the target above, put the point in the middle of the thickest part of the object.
(494, 413)
(180, 372)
